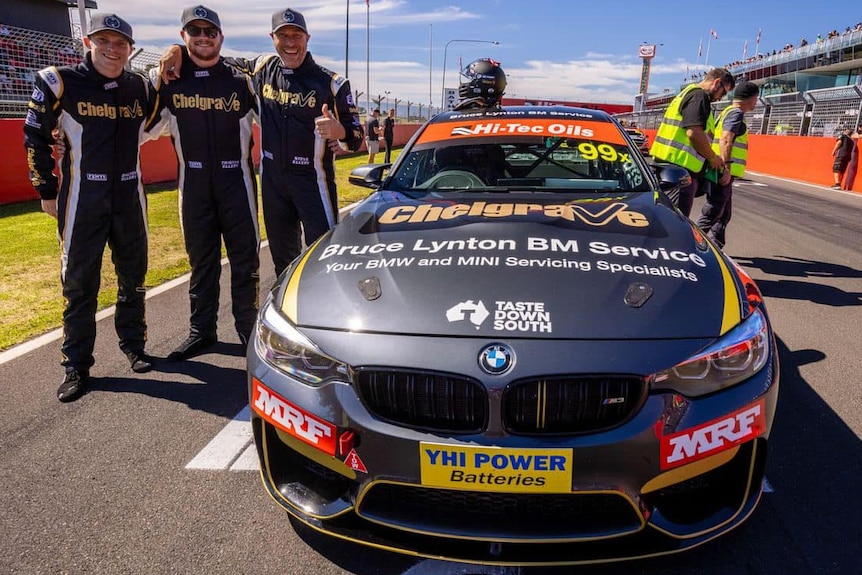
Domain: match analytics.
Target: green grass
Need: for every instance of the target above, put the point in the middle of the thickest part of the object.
(31, 299)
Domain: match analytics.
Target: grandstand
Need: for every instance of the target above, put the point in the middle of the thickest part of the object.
(810, 90)
(50, 38)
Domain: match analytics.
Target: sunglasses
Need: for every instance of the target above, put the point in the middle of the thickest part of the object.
(195, 31)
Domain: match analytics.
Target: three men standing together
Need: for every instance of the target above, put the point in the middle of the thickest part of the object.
(306, 113)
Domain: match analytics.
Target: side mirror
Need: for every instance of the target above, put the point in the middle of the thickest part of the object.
(368, 176)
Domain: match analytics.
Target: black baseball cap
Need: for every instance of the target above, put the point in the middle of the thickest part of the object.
(200, 12)
(102, 21)
(288, 17)
(745, 90)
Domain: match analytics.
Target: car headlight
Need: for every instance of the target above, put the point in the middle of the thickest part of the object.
(285, 348)
(738, 355)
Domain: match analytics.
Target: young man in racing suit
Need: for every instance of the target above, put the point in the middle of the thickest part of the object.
(209, 113)
(305, 111)
(100, 110)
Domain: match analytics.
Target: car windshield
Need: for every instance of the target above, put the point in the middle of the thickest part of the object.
(530, 164)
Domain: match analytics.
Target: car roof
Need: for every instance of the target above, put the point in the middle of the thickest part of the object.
(523, 111)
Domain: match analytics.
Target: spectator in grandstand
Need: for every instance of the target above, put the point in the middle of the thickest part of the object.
(99, 109)
(218, 188)
(4, 31)
(841, 152)
(731, 143)
(307, 113)
(682, 137)
(5, 83)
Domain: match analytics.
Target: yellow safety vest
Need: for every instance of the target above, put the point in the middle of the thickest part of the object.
(671, 143)
(739, 150)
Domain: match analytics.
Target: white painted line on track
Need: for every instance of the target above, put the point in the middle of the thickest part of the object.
(247, 461)
(229, 444)
(827, 187)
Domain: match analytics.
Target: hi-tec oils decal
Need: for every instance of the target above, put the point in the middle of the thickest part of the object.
(496, 469)
(576, 129)
(714, 436)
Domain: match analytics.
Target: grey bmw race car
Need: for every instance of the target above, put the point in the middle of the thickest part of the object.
(515, 351)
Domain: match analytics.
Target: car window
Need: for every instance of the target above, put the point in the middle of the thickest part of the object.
(455, 158)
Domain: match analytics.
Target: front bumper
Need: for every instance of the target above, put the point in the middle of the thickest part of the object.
(622, 504)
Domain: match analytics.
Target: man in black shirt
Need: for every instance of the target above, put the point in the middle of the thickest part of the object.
(372, 135)
(841, 153)
(389, 134)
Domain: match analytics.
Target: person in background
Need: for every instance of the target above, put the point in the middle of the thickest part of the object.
(841, 153)
(99, 111)
(682, 137)
(389, 134)
(208, 113)
(372, 135)
(307, 114)
(730, 142)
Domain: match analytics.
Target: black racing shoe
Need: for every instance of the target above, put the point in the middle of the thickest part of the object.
(74, 385)
(140, 361)
(192, 346)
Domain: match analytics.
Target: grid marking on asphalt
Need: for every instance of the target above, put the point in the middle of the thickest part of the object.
(229, 447)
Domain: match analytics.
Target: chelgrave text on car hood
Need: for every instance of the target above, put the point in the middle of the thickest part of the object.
(510, 265)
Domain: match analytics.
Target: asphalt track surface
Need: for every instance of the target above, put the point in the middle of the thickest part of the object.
(148, 473)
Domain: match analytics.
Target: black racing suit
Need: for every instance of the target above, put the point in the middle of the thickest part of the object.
(100, 196)
(209, 113)
(297, 172)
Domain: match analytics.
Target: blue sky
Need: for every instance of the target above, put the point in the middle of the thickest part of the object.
(550, 49)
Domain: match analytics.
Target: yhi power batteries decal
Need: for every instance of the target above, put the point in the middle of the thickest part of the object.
(496, 469)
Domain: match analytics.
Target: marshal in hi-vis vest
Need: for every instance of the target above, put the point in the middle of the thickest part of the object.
(672, 143)
(739, 151)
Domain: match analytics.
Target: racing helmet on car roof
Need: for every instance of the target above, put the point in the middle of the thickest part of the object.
(485, 84)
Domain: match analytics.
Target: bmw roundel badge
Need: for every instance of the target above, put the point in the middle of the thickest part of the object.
(496, 358)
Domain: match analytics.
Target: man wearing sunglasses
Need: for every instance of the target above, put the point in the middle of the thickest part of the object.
(306, 113)
(208, 113)
(684, 137)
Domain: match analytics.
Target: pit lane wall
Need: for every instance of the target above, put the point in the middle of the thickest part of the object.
(804, 158)
(158, 159)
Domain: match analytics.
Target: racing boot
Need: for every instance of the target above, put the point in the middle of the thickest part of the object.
(193, 345)
(139, 360)
(74, 385)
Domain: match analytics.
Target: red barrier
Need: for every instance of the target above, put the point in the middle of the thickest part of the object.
(14, 173)
(795, 157)
(803, 158)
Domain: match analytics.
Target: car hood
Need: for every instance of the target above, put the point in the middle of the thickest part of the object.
(504, 266)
